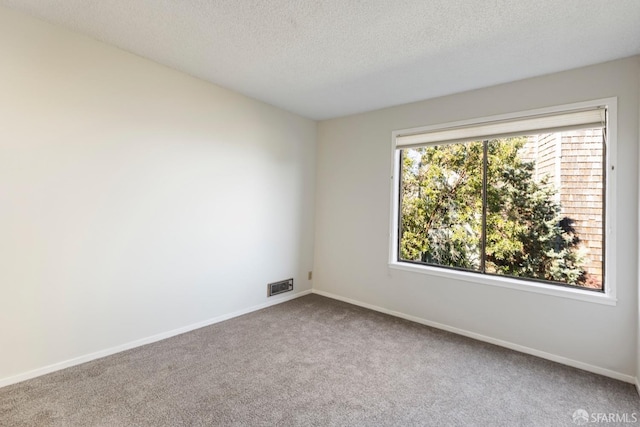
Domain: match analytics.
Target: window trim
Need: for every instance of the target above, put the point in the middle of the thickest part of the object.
(608, 297)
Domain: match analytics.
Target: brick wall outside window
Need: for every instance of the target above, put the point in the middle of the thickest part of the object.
(573, 163)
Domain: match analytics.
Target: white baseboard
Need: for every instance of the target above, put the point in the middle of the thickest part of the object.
(164, 335)
(143, 341)
(490, 340)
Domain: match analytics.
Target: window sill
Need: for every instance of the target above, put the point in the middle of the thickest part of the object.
(510, 283)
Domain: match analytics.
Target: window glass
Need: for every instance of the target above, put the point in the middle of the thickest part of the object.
(530, 206)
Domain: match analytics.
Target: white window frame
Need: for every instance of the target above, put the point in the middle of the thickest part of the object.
(608, 297)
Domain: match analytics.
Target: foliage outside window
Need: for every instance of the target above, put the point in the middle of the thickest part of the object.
(529, 206)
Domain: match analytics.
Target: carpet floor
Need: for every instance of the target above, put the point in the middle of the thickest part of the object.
(314, 361)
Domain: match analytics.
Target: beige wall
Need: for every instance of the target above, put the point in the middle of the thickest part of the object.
(352, 225)
(134, 199)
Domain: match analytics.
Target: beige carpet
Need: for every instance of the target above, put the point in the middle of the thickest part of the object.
(318, 362)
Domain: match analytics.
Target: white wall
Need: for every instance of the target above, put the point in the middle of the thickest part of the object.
(638, 266)
(135, 199)
(352, 224)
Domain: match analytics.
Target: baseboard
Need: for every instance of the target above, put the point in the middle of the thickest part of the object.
(143, 341)
(637, 386)
(517, 347)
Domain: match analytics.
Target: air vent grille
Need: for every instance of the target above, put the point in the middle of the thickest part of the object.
(276, 288)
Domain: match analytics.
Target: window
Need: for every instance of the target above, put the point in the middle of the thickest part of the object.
(521, 197)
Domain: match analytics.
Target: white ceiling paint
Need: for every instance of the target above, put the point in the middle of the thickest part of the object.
(329, 58)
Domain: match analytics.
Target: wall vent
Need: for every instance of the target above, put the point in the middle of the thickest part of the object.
(276, 288)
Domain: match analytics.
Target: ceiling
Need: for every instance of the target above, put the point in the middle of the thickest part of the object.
(330, 58)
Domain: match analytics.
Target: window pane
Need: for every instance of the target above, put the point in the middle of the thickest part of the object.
(441, 205)
(544, 207)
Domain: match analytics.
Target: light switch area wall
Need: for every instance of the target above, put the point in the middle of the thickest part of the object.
(135, 199)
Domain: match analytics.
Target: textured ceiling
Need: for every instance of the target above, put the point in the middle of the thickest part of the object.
(329, 58)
